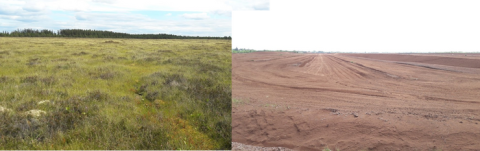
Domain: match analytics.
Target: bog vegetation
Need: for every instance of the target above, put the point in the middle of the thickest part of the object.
(58, 93)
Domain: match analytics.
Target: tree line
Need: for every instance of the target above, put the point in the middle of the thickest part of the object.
(88, 33)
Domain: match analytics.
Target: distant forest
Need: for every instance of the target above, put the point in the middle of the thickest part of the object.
(84, 33)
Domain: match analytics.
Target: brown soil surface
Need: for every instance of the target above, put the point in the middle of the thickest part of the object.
(356, 101)
(440, 59)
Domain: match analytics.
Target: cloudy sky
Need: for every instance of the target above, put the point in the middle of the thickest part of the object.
(361, 26)
(180, 17)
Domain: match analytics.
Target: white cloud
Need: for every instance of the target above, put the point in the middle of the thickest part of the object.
(81, 17)
(104, 1)
(197, 16)
(262, 5)
(129, 5)
(33, 7)
(111, 17)
(25, 12)
(359, 26)
(227, 13)
(71, 5)
(6, 9)
(243, 5)
(128, 23)
(79, 14)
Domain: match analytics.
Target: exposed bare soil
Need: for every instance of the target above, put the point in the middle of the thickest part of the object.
(243, 147)
(357, 101)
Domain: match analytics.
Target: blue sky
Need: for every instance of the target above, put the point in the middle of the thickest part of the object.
(180, 17)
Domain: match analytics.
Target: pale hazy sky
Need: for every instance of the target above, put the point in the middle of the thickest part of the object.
(180, 17)
(361, 25)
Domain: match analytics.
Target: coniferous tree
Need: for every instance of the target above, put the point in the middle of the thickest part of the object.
(83, 33)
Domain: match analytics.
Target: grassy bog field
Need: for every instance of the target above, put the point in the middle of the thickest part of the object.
(80, 93)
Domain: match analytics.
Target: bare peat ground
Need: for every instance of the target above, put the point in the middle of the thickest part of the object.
(243, 147)
(356, 101)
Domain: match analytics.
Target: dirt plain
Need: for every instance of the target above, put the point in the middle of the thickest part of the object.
(356, 101)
